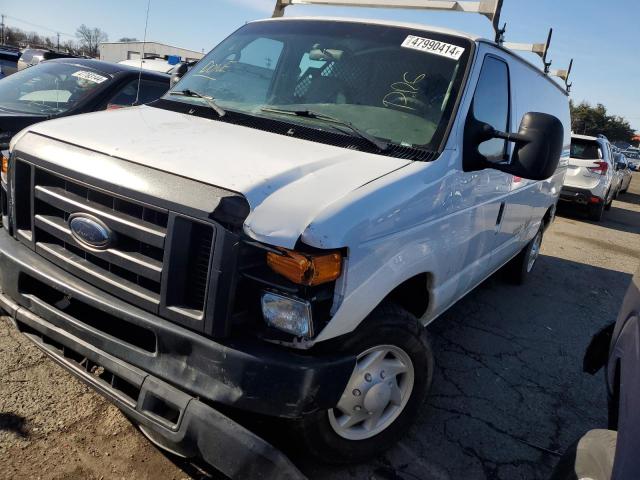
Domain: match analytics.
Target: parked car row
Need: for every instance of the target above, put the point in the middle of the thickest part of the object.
(69, 86)
(596, 175)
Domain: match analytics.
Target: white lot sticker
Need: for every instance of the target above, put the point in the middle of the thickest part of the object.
(92, 77)
(433, 46)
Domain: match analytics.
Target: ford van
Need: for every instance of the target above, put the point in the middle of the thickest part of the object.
(276, 233)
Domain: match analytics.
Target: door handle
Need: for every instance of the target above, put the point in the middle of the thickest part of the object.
(500, 214)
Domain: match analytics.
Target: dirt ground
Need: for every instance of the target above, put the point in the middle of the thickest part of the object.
(508, 392)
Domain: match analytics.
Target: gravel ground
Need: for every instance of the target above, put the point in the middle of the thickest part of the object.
(508, 393)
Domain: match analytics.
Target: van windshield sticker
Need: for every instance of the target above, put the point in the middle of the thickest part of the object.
(435, 47)
(90, 76)
(402, 92)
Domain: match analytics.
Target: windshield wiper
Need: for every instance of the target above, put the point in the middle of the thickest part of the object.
(379, 144)
(210, 100)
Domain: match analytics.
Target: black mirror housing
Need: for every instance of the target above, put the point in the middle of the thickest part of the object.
(178, 72)
(539, 144)
(621, 165)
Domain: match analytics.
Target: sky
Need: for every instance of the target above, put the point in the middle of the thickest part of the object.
(603, 37)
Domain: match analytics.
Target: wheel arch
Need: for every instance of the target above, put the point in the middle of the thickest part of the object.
(413, 294)
(549, 216)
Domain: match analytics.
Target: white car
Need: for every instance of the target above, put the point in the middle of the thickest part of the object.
(591, 180)
(276, 232)
(624, 168)
(153, 64)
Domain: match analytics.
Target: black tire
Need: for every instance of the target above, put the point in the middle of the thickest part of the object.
(387, 325)
(608, 204)
(518, 269)
(595, 212)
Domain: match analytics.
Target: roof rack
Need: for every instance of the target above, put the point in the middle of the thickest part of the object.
(488, 8)
(540, 49)
(564, 75)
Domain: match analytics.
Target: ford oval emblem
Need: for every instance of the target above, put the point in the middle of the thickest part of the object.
(90, 231)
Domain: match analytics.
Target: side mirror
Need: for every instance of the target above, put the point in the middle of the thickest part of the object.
(539, 143)
(621, 165)
(178, 72)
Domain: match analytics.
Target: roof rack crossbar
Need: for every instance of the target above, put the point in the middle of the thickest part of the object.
(564, 75)
(488, 8)
(540, 49)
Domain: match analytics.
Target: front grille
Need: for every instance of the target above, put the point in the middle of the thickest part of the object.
(139, 258)
(132, 265)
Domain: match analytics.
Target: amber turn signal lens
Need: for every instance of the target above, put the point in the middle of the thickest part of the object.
(5, 165)
(306, 269)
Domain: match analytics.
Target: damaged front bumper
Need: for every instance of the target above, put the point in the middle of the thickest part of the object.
(164, 376)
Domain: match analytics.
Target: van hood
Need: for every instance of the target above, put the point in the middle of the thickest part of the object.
(287, 181)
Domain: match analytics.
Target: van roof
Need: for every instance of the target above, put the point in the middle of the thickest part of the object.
(389, 23)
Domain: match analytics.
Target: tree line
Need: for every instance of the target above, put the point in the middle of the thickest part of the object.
(589, 120)
(87, 40)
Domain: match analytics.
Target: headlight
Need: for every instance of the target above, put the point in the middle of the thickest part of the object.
(287, 314)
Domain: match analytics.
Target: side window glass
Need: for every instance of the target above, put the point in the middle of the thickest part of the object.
(491, 105)
(150, 91)
(262, 53)
(126, 96)
(253, 65)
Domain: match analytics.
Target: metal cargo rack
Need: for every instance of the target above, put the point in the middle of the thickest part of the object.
(490, 9)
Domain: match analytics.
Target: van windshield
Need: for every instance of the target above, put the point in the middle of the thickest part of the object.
(396, 84)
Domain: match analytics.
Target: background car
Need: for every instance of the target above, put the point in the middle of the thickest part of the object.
(632, 153)
(619, 167)
(33, 56)
(8, 61)
(152, 64)
(70, 86)
(591, 180)
(612, 454)
(626, 173)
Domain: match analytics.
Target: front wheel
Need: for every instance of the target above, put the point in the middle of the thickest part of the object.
(388, 385)
(519, 268)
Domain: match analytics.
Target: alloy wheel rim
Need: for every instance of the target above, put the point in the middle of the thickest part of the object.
(535, 251)
(376, 394)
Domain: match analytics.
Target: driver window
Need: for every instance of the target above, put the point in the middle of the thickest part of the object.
(254, 66)
(262, 53)
(491, 105)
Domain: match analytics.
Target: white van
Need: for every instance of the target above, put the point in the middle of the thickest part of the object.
(276, 232)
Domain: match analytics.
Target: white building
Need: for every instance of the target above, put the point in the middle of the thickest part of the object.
(119, 51)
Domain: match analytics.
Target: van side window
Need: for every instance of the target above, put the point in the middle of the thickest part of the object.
(491, 105)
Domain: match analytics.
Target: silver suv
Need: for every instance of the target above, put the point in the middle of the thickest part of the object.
(590, 175)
